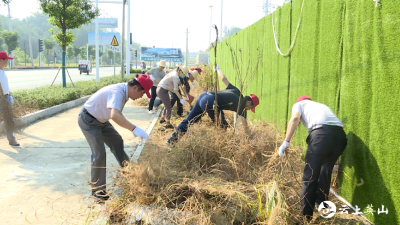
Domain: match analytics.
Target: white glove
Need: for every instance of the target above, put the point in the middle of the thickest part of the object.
(182, 101)
(216, 68)
(282, 148)
(193, 84)
(139, 132)
(187, 98)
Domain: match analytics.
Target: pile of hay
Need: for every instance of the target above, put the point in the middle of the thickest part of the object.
(218, 176)
(213, 176)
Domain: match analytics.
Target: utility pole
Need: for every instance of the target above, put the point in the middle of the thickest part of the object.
(221, 20)
(30, 44)
(25, 52)
(187, 47)
(128, 45)
(97, 45)
(87, 51)
(122, 39)
(10, 30)
(209, 39)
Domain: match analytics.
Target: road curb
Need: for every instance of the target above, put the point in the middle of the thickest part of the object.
(45, 113)
(140, 147)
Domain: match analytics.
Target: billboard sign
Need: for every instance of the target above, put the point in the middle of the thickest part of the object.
(157, 54)
(104, 38)
(106, 23)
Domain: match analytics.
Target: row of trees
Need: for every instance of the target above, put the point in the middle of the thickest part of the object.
(9, 40)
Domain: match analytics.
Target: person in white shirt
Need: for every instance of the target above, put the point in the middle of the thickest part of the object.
(171, 83)
(6, 91)
(326, 142)
(107, 103)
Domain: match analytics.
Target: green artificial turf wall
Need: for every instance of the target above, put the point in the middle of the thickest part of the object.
(346, 55)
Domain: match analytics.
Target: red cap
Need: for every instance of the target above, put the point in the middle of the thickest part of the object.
(145, 82)
(301, 98)
(3, 55)
(198, 69)
(255, 100)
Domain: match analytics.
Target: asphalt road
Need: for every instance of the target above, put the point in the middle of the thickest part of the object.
(31, 78)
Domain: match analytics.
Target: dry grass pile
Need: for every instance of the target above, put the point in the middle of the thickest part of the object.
(215, 176)
(218, 176)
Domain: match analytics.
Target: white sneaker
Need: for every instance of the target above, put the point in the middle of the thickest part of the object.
(151, 112)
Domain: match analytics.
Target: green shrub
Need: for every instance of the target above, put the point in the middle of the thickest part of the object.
(47, 96)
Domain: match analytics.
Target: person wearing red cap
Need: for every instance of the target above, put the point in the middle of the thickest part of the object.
(192, 78)
(228, 99)
(326, 142)
(7, 94)
(107, 103)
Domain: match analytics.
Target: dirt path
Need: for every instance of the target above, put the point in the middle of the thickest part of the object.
(44, 180)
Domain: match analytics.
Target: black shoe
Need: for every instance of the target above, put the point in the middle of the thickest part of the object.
(169, 126)
(162, 120)
(101, 195)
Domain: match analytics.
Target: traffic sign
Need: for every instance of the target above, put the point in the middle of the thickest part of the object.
(115, 48)
(114, 41)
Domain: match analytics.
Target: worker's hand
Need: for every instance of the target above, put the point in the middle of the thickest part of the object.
(216, 68)
(182, 101)
(282, 148)
(139, 132)
(187, 98)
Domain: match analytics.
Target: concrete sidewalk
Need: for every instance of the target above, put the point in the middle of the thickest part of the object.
(44, 180)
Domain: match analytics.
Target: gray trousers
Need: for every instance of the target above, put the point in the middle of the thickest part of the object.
(164, 96)
(97, 134)
(9, 131)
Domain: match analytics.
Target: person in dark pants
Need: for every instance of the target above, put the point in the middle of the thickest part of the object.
(156, 74)
(107, 103)
(228, 99)
(4, 59)
(326, 142)
(185, 82)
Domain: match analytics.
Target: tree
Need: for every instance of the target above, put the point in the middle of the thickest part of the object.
(64, 16)
(100, 52)
(70, 52)
(92, 53)
(83, 52)
(48, 47)
(11, 40)
(1, 43)
(110, 55)
(20, 56)
(77, 52)
(228, 32)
